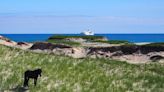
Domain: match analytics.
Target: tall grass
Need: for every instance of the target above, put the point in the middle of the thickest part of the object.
(65, 74)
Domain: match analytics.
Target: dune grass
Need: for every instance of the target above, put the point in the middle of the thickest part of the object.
(65, 74)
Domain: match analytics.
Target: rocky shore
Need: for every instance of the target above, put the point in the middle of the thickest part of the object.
(7, 42)
(129, 53)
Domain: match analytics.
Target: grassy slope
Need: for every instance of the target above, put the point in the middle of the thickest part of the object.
(65, 74)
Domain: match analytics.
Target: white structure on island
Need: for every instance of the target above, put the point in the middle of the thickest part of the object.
(88, 32)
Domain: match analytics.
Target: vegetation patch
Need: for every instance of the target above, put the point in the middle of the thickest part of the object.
(114, 42)
(65, 42)
(59, 37)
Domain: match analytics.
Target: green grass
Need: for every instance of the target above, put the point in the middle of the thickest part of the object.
(65, 74)
(84, 37)
(114, 42)
(70, 43)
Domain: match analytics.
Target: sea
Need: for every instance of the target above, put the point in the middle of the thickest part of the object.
(136, 38)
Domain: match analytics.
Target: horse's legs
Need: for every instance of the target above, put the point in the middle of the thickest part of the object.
(35, 81)
(26, 82)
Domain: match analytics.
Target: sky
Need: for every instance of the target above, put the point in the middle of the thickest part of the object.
(75, 16)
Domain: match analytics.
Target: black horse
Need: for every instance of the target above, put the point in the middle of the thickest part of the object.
(33, 75)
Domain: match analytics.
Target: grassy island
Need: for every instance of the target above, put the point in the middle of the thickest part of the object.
(74, 40)
(79, 40)
(61, 37)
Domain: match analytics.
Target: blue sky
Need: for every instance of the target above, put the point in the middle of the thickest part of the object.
(74, 16)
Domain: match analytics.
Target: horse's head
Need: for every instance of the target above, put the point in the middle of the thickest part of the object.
(39, 71)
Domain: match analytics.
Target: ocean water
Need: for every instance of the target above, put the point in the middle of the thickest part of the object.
(129, 37)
